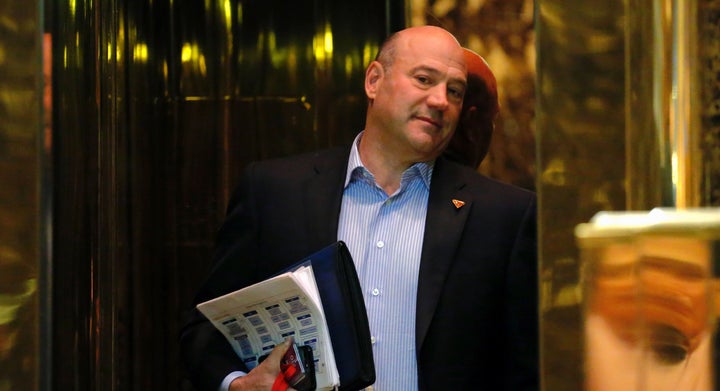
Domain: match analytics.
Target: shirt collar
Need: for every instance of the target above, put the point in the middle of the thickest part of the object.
(356, 168)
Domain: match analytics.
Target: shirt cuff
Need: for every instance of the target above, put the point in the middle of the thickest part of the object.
(225, 385)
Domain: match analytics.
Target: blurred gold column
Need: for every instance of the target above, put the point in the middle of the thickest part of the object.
(628, 118)
(666, 158)
(21, 156)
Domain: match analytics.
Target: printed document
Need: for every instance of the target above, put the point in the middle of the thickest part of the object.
(256, 318)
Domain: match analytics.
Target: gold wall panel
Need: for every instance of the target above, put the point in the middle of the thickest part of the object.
(581, 160)
(708, 91)
(502, 32)
(626, 120)
(21, 156)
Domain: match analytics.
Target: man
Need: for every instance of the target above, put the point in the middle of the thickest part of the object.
(472, 137)
(446, 257)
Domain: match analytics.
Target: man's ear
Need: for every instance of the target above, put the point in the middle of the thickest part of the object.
(373, 76)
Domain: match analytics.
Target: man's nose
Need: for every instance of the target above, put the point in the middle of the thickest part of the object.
(438, 98)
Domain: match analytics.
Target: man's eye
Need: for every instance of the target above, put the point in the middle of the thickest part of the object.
(423, 79)
(456, 93)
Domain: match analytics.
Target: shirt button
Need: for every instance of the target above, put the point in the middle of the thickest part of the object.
(372, 340)
(380, 244)
(375, 292)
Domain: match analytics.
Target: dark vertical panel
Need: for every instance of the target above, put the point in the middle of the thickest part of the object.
(90, 197)
(356, 38)
(75, 125)
(197, 99)
(145, 50)
(109, 336)
(274, 44)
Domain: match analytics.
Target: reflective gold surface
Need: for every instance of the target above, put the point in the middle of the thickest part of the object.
(708, 83)
(649, 92)
(666, 162)
(502, 32)
(684, 115)
(21, 154)
(623, 123)
(581, 160)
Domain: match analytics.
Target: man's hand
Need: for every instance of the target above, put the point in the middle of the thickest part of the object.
(264, 375)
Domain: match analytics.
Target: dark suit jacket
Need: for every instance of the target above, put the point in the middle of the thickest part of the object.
(476, 322)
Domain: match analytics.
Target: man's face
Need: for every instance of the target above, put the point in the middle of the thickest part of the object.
(420, 96)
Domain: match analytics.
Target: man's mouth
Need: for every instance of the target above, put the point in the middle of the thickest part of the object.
(431, 121)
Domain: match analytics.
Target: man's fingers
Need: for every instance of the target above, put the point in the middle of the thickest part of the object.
(274, 358)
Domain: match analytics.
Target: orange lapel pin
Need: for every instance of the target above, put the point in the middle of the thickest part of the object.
(458, 204)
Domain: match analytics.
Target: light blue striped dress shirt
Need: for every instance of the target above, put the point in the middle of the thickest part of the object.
(384, 235)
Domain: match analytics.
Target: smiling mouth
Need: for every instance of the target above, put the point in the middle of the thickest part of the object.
(430, 121)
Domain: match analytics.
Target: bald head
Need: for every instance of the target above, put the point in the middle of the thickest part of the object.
(388, 50)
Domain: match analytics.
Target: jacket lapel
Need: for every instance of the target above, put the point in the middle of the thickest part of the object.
(448, 209)
(322, 196)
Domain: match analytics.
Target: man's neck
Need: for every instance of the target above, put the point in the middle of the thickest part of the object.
(385, 167)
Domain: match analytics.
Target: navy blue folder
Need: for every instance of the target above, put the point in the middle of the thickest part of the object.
(345, 314)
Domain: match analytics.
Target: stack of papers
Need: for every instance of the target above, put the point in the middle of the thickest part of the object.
(257, 318)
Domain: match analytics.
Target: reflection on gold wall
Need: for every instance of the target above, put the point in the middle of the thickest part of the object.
(581, 160)
(623, 123)
(502, 32)
(708, 84)
(20, 127)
